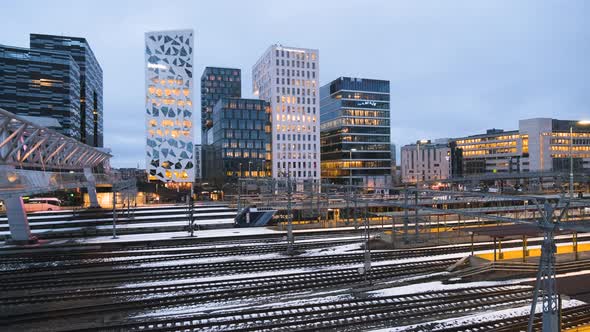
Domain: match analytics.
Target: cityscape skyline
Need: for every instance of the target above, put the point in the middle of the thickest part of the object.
(444, 81)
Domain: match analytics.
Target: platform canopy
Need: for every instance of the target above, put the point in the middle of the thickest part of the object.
(514, 230)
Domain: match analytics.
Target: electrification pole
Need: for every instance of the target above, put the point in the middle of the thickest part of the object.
(406, 217)
(114, 212)
(546, 274)
(367, 234)
(290, 238)
(571, 163)
(416, 225)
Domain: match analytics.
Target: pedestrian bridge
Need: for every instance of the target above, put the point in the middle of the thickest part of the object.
(35, 159)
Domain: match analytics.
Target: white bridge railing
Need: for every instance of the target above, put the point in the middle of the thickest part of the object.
(35, 159)
(25, 144)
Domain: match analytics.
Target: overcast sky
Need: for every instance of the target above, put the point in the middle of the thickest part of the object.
(456, 67)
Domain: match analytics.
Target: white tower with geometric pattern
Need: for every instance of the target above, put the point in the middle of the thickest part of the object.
(169, 105)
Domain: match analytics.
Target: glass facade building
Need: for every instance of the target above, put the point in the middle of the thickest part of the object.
(217, 83)
(355, 132)
(91, 106)
(240, 140)
(56, 77)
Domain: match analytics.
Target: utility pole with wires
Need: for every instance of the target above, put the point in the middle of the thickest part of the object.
(114, 213)
(123, 186)
(406, 215)
(354, 211)
(290, 236)
(190, 211)
(416, 225)
(367, 237)
(545, 282)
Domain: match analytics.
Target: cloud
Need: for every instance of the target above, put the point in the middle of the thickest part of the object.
(456, 67)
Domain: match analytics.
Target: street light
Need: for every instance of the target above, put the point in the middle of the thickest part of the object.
(583, 123)
(249, 169)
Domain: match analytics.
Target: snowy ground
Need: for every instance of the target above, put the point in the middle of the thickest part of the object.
(479, 317)
(146, 209)
(400, 286)
(131, 226)
(122, 218)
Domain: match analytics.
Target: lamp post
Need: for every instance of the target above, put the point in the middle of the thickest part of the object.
(240, 169)
(582, 122)
(350, 175)
(249, 169)
(571, 163)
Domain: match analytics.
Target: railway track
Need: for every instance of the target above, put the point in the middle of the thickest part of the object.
(570, 318)
(92, 258)
(127, 275)
(142, 298)
(225, 266)
(340, 315)
(397, 254)
(520, 269)
(78, 275)
(8, 255)
(173, 253)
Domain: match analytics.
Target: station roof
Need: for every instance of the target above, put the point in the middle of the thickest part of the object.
(511, 230)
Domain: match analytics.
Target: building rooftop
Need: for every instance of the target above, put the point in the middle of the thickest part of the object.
(491, 132)
(81, 39)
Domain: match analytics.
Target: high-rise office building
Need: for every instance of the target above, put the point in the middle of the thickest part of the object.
(57, 77)
(217, 83)
(91, 109)
(169, 105)
(240, 140)
(288, 79)
(355, 132)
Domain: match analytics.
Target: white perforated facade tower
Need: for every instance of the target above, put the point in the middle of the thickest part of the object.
(169, 106)
(288, 78)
